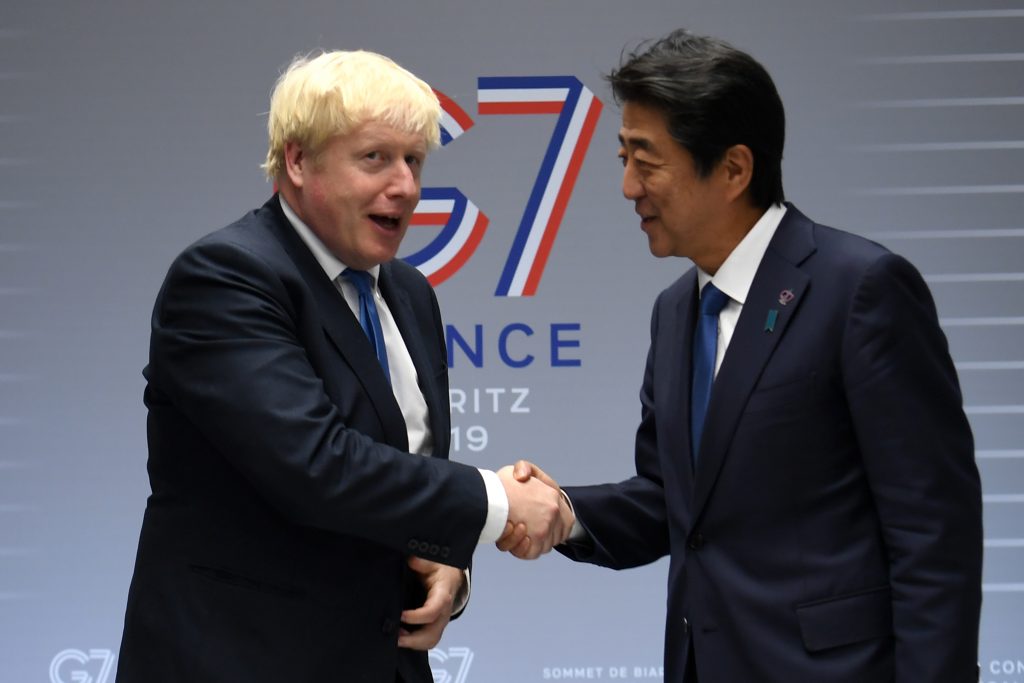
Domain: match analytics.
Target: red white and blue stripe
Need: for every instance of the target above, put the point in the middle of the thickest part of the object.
(454, 119)
(578, 111)
(463, 228)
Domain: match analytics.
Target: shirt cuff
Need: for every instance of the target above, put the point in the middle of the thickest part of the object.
(462, 597)
(578, 533)
(497, 508)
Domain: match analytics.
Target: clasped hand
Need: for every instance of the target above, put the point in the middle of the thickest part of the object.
(539, 517)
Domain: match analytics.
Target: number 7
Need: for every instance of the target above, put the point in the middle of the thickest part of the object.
(578, 111)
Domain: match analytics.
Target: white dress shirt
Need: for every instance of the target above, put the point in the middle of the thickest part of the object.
(404, 381)
(733, 278)
(736, 274)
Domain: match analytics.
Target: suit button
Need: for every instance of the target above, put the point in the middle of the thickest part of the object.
(424, 546)
(413, 544)
(445, 552)
(388, 626)
(435, 549)
(696, 541)
(686, 627)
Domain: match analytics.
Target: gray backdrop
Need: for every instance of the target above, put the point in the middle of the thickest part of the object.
(130, 128)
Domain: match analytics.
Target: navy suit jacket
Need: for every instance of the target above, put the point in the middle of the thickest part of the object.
(831, 530)
(284, 504)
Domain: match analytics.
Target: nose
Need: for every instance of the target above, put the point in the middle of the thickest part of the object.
(405, 182)
(632, 188)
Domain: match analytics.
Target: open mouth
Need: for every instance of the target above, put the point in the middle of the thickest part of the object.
(386, 222)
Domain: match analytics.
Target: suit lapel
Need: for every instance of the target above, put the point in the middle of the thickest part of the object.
(672, 380)
(758, 333)
(343, 329)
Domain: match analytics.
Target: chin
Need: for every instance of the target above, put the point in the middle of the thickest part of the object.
(658, 250)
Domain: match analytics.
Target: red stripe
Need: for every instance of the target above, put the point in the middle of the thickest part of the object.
(454, 110)
(520, 107)
(547, 240)
(429, 218)
(452, 267)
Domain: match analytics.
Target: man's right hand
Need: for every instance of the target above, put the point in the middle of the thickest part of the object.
(539, 517)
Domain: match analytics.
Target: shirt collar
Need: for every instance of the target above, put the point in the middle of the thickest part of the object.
(736, 274)
(332, 266)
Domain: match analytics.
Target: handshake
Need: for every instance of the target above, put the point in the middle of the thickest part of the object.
(539, 516)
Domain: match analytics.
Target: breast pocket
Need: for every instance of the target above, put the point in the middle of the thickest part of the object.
(782, 396)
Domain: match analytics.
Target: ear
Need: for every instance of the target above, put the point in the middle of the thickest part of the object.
(738, 169)
(296, 163)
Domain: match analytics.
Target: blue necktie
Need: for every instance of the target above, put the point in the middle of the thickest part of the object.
(368, 317)
(705, 347)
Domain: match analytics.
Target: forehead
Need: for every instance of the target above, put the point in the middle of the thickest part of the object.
(376, 131)
(644, 126)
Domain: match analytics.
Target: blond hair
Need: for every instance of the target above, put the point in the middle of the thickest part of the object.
(319, 97)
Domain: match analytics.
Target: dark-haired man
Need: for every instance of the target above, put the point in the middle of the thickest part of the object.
(820, 500)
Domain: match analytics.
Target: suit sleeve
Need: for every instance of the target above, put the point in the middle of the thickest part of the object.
(918, 452)
(227, 352)
(626, 522)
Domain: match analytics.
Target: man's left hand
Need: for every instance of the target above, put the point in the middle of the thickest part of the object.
(442, 583)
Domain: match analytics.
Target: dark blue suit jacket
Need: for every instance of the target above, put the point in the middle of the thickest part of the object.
(284, 502)
(832, 528)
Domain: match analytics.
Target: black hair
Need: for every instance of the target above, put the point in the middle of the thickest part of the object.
(714, 96)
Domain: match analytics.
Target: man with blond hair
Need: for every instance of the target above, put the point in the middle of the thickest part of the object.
(297, 377)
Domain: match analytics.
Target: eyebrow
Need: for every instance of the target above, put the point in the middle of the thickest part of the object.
(637, 142)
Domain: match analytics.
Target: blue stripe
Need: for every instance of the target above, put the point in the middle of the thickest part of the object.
(450, 229)
(543, 178)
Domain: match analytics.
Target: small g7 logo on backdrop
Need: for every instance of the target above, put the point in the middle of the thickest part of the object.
(75, 666)
(451, 666)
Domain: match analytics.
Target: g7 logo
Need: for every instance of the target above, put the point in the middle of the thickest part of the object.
(443, 671)
(88, 668)
(464, 224)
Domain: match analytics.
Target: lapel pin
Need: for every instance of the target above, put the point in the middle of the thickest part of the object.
(769, 324)
(785, 296)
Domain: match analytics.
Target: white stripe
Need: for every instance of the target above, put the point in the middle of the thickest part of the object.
(975, 277)
(939, 190)
(435, 206)
(998, 454)
(950, 14)
(503, 95)
(991, 365)
(1004, 542)
(945, 59)
(461, 236)
(944, 102)
(943, 146)
(451, 125)
(980, 322)
(554, 186)
(1002, 587)
(995, 410)
(1003, 498)
(946, 234)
